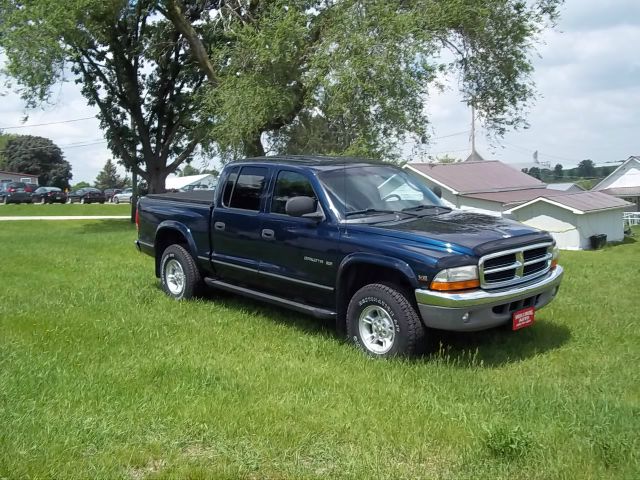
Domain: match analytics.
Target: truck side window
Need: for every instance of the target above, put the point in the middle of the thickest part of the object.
(228, 186)
(289, 185)
(249, 187)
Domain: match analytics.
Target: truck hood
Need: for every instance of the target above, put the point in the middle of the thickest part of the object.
(463, 231)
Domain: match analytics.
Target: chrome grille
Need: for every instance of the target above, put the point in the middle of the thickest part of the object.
(518, 265)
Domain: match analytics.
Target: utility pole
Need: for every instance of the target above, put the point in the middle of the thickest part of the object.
(473, 130)
(134, 176)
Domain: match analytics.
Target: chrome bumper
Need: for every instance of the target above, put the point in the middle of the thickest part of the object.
(482, 309)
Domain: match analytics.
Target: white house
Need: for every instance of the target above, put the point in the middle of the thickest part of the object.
(573, 218)
(495, 188)
(624, 182)
(176, 183)
(566, 187)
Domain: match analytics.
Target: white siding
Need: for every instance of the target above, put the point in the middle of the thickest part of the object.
(559, 222)
(628, 175)
(570, 230)
(608, 222)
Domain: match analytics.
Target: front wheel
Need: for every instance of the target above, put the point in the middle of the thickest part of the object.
(179, 274)
(382, 322)
(116, 200)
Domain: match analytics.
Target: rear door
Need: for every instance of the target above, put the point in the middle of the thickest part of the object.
(236, 222)
(299, 255)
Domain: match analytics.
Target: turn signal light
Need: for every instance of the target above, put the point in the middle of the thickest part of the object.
(448, 286)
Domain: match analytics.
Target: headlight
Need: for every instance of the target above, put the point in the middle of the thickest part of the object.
(555, 254)
(457, 278)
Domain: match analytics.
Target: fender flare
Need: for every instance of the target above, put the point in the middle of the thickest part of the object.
(180, 228)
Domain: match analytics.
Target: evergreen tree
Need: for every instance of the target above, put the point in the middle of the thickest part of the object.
(109, 178)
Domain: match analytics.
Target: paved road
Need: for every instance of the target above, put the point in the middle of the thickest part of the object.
(65, 217)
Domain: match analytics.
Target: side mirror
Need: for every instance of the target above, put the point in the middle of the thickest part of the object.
(437, 191)
(302, 207)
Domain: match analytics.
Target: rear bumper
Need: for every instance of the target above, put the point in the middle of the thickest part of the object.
(482, 309)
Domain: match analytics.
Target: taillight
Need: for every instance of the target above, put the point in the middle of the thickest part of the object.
(137, 219)
(12, 189)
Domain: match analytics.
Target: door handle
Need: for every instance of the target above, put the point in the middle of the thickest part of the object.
(268, 234)
(220, 226)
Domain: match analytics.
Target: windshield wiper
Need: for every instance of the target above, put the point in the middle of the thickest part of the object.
(420, 207)
(368, 211)
(375, 211)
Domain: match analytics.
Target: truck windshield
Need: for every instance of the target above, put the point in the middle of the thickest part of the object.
(376, 189)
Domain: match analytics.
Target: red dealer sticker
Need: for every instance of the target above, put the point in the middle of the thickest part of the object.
(523, 318)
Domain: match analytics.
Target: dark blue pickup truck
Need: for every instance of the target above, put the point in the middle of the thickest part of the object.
(366, 244)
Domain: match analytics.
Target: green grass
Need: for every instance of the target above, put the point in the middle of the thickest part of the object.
(25, 209)
(103, 376)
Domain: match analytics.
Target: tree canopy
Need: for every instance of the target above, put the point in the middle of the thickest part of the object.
(288, 76)
(350, 76)
(36, 156)
(130, 63)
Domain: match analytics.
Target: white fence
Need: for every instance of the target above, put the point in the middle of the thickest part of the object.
(631, 218)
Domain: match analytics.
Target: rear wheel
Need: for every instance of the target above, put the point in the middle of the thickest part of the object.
(382, 322)
(179, 273)
(116, 200)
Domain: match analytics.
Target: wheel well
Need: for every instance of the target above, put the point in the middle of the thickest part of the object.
(164, 238)
(357, 276)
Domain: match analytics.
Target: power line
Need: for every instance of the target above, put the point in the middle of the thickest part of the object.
(465, 132)
(84, 143)
(45, 124)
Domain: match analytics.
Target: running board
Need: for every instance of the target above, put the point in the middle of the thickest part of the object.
(265, 297)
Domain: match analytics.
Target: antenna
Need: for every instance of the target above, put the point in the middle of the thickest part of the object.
(473, 130)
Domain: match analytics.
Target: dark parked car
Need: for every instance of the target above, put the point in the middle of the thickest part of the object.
(110, 192)
(86, 195)
(48, 195)
(14, 192)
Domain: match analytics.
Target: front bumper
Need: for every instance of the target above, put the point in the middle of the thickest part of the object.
(482, 309)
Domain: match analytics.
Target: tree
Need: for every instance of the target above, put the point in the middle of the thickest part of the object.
(558, 172)
(447, 159)
(586, 168)
(534, 172)
(109, 178)
(349, 76)
(37, 156)
(131, 64)
(80, 185)
(189, 170)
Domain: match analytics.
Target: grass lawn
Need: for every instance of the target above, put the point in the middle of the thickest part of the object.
(27, 209)
(102, 376)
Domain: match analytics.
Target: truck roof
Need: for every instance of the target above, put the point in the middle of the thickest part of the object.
(316, 162)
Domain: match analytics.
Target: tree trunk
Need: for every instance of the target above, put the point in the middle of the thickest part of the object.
(157, 179)
(254, 147)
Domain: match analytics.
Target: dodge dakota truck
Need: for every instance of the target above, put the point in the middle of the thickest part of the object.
(365, 244)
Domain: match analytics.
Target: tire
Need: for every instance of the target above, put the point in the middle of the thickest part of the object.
(383, 323)
(116, 200)
(179, 274)
(101, 202)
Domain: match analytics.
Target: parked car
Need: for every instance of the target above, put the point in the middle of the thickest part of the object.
(124, 196)
(48, 195)
(86, 195)
(110, 192)
(14, 192)
(198, 186)
(30, 187)
(365, 245)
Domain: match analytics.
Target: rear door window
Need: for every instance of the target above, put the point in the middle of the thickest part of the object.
(249, 188)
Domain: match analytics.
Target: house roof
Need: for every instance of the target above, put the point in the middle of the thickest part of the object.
(623, 191)
(475, 177)
(605, 182)
(515, 197)
(18, 173)
(579, 203)
(179, 182)
(564, 186)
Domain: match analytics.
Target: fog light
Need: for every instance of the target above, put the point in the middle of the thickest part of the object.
(465, 317)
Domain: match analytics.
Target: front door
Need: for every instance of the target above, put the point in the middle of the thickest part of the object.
(299, 255)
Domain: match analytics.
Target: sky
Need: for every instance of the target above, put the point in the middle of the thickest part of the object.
(587, 74)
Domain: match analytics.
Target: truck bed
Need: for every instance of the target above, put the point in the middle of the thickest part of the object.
(203, 197)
